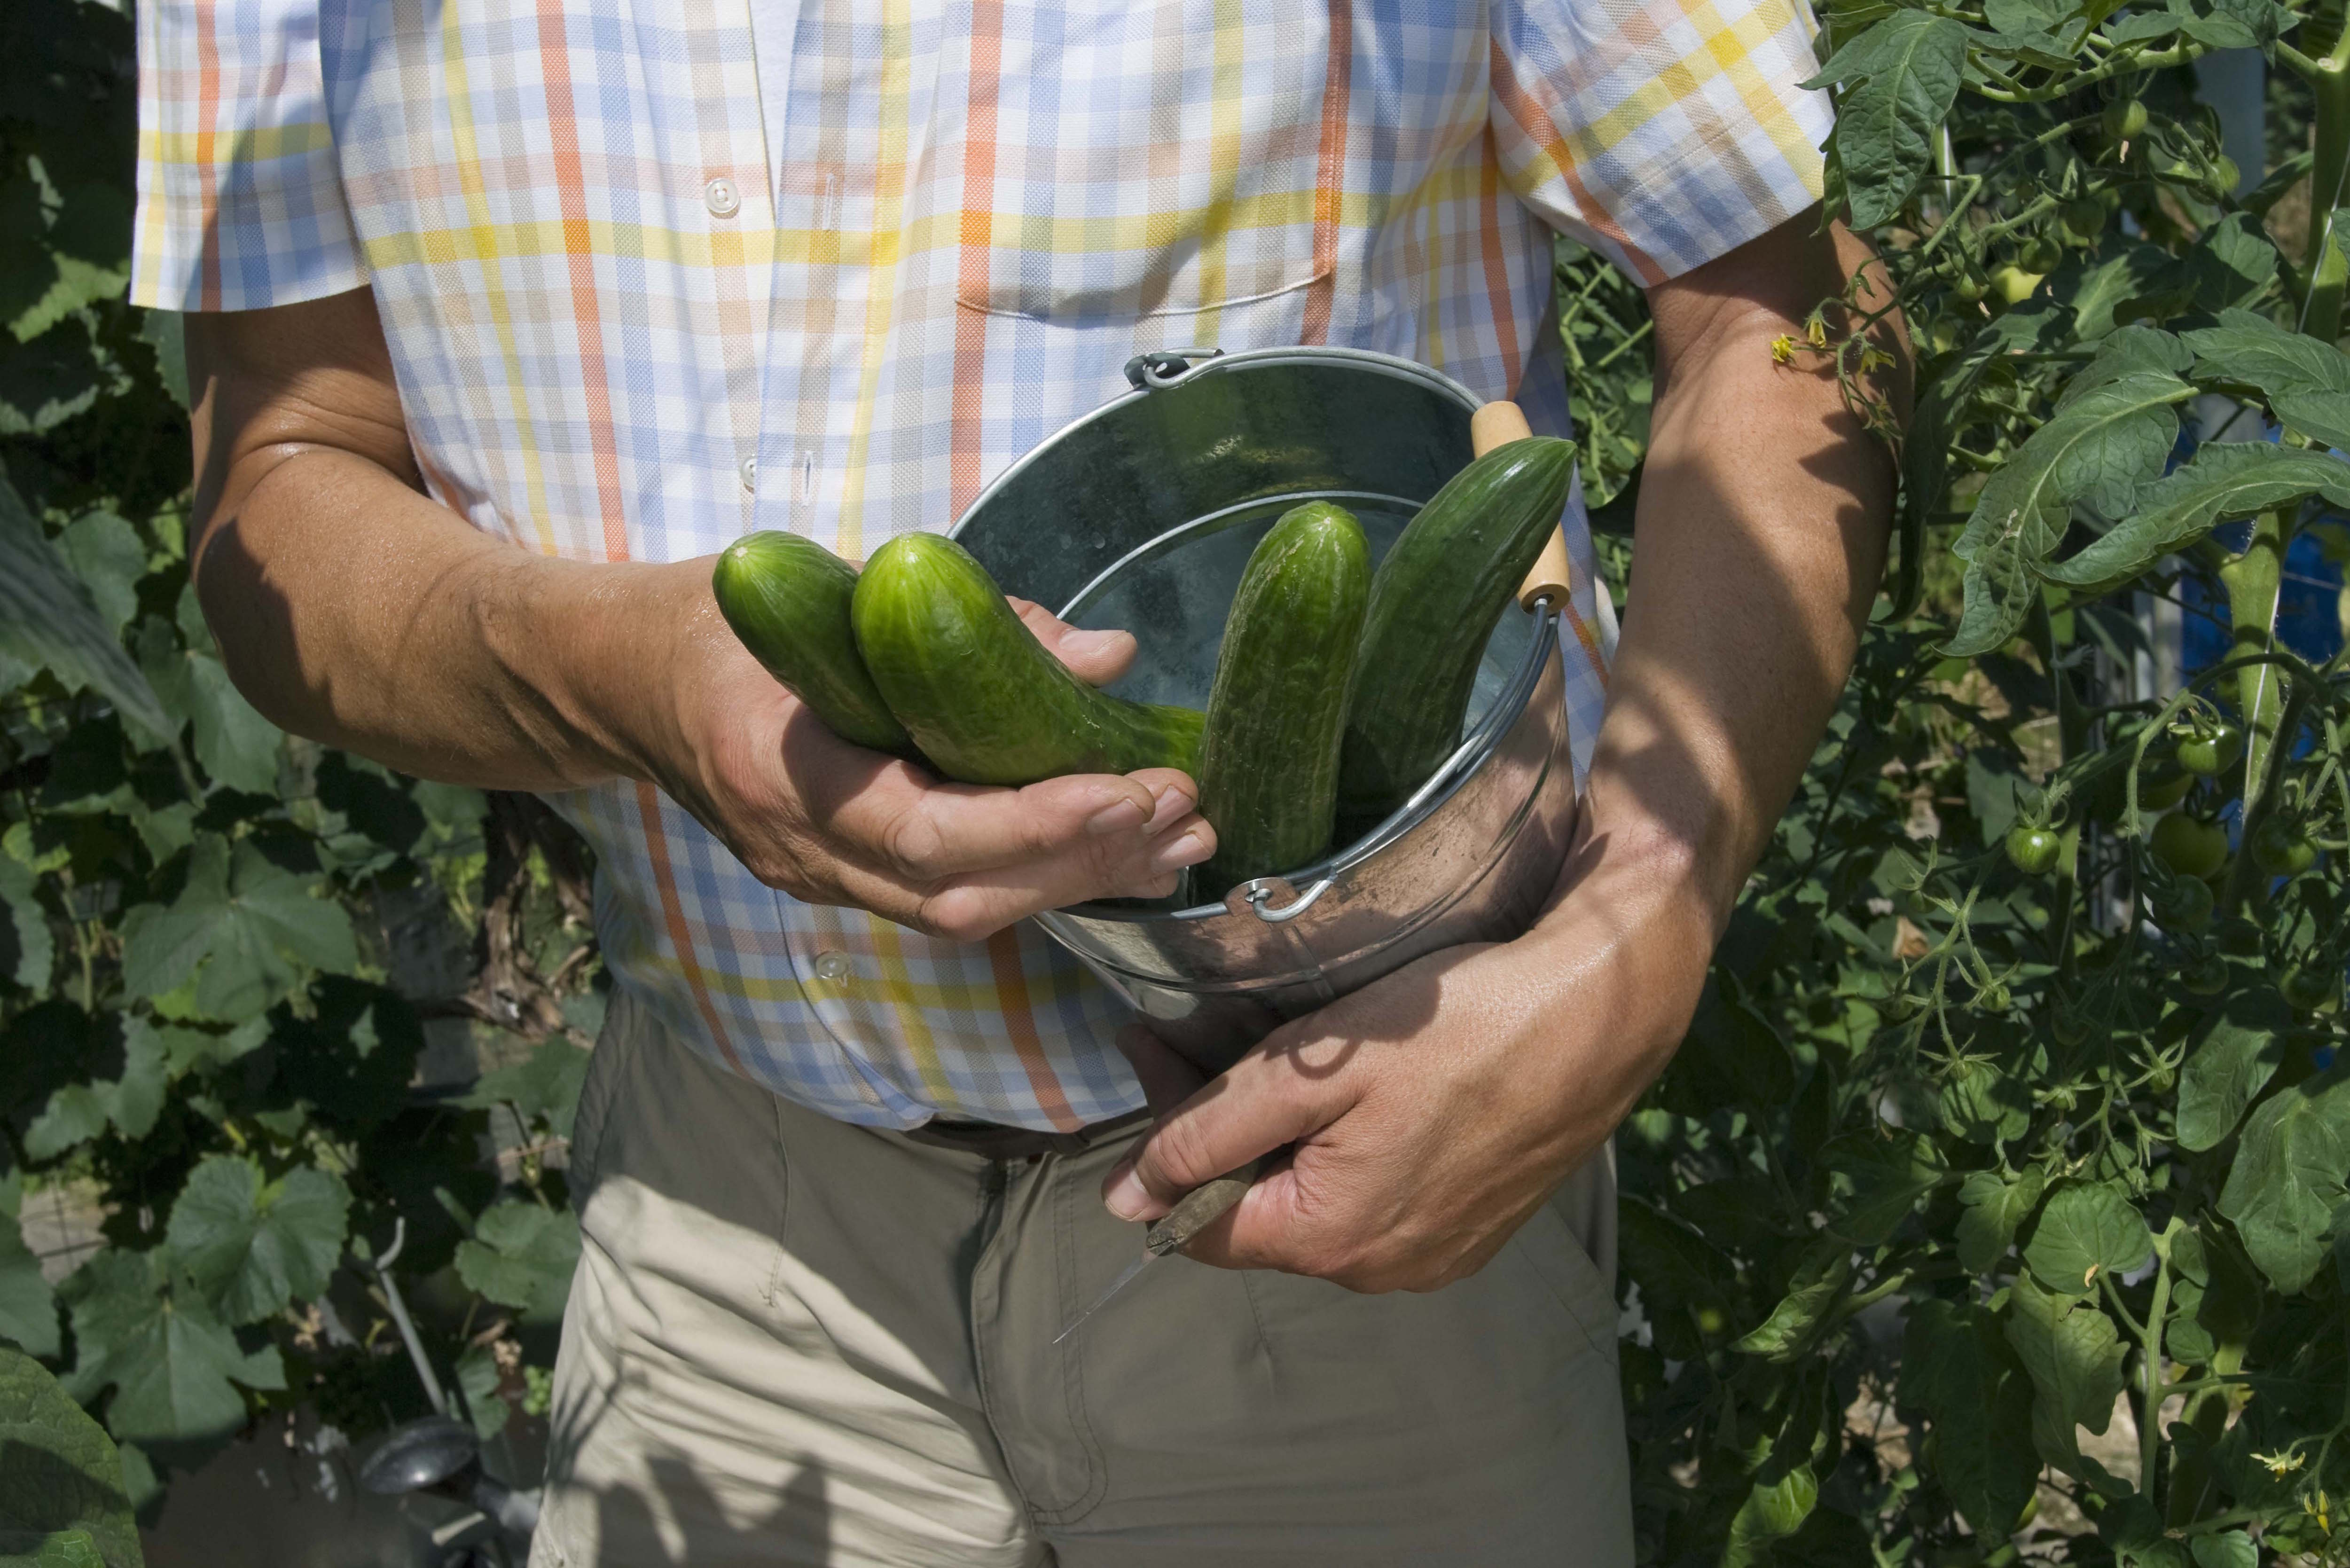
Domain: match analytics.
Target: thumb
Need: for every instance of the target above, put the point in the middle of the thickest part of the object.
(1253, 1109)
(1096, 657)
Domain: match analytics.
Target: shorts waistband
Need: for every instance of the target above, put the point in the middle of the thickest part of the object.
(991, 1141)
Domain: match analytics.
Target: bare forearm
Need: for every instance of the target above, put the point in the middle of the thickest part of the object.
(1760, 541)
(352, 610)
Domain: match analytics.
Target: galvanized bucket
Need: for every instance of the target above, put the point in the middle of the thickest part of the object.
(1141, 515)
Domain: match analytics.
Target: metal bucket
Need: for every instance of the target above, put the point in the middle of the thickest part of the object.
(1141, 515)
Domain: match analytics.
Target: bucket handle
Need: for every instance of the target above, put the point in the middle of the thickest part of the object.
(1165, 366)
(1259, 893)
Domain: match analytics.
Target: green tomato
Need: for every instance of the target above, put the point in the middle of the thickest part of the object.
(2040, 254)
(2225, 175)
(2084, 220)
(2189, 845)
(2213, 754)
(2189, 904)
(2282, 849)
(2161, 794)
(2033, 850)
(2125, 118)
(1993, 997)
(2207, 976)
(2309, 987)
(1968, 286)
(2012, 283)
(2161, 1077)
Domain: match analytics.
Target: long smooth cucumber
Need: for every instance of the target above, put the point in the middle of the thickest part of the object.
(980, 695)
(1269, 760)
(788, 600)
(1434, 601)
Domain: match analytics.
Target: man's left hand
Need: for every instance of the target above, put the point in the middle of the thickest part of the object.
(1432, 1112)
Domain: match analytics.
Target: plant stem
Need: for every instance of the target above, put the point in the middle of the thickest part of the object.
(2149, 1436)
(2321, 313)
(2254, 581)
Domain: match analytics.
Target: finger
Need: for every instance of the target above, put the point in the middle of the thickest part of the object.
(924, 832)
(984, 902)
(1096, 657)
(1168, 1076)
(1258, 1106)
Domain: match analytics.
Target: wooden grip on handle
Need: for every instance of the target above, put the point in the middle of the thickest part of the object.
(1199, 1209)
(1498, 424)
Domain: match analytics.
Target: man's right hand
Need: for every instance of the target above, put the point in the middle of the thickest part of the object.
(831, 822)
(352, 610)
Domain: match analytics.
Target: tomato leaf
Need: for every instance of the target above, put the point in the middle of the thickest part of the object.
(2287, 1179)
(1899, 78)
(2306, 382)
(1794, 1325)
(2095, 448)
(2234, 1050)
(2225, 480)
(1957, 1368)
(2073, 1355)
(2086, 1229)
(1993, 1211)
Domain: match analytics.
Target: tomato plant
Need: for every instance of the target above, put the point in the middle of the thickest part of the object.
(1979, 1161)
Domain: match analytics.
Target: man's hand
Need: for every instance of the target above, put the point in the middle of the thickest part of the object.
(830, 823)
(352, 609)
(1433, 1111)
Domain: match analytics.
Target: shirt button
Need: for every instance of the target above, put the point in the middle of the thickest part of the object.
(833, 968)
(749, 468)
(724, 200)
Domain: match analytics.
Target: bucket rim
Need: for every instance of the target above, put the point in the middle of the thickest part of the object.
(1214, 362)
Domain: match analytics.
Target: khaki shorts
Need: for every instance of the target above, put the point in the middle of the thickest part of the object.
(795, 1341)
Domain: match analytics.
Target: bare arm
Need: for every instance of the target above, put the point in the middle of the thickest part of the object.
(353, 609)
(1434, 1110)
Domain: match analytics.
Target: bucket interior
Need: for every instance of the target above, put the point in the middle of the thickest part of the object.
(1174, 592)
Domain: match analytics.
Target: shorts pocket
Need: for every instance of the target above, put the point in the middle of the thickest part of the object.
(607, 1064)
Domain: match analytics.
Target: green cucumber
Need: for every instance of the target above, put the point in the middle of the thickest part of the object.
(1269, 759)
(1434, 602)
(979, 693)
(787, 598)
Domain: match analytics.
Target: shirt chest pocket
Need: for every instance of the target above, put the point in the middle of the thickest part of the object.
(1125, 158)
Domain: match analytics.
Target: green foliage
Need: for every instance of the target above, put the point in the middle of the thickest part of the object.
(61, 1494)
(212, 1015)
(2033, 1173)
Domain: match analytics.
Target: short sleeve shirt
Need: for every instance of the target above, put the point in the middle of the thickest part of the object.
(656, 275)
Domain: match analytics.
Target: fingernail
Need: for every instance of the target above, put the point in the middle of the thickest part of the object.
(1127, 1197)
(1116, 818)
(1081, 643)
(1187, 849)
(1172, 804)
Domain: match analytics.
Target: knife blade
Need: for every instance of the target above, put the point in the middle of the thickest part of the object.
(1198, 1209)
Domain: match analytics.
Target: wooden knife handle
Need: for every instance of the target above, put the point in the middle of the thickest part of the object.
(1498, 424)
(1199, 1208)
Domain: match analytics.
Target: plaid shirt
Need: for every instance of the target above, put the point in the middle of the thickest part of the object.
(654, 275)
